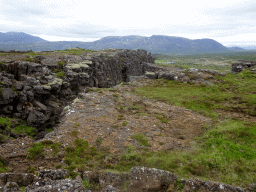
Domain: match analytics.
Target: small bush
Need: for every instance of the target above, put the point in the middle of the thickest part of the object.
(37, 150)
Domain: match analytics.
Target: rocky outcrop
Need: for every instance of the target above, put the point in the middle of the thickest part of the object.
(140, 179)
(191, 75)
(22, 179)
(57, 185)
(243, 64)
(37, 91)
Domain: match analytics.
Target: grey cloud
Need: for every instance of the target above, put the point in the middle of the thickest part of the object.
(22, 12)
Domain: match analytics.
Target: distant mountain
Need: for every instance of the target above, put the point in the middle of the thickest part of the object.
(160, 44)
(236, 48)
(157, 44)
(18, 37)
(249, 47)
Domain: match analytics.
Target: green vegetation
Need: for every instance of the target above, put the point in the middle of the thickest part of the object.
(60, 73)
(226, 152)
(10, 125)
(124, 123)
(73, 133)
(61, 64)
(86, 184)
(74, 51)
(142, 139)
(23, 128)
(49, 130)
(161, 118)
(81, 154)
(29, 58)
(76, 125)
(232, 93)
(2, 83)
(1, 66)
(37, 149)
(22, 189)
(160, 61)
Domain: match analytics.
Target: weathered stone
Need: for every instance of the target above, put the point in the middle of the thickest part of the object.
(56, 185)
(18, 85)
(36, 119)
(114, 179)
(11, 187)
(53, 174)
(40, 106)
(110, 188)
(150, 179)
(6, 95)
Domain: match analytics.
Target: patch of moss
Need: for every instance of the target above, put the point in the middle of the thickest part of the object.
(37, 149)
(142, 139)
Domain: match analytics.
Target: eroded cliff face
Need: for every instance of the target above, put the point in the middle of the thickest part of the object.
(38, 90)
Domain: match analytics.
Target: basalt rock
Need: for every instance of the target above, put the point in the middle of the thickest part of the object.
(37, 91)
(243, 64)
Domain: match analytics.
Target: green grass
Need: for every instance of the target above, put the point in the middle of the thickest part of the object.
(49, 130)
(23, 128)
(161, 118)
(160, 61)
(75, 51)
(60, 74)
(124, 123)
(5, 122)
(10, 125)
(142, 139)
(37, 149)
(232, 93)
(76, 125)
(226, 153)
(227, 150)
(82, 154)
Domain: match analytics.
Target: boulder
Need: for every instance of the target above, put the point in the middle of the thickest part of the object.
(150, 179)
(36, 119)
(11, 187)
(63, 185)
(53, 174)
(110, 188)
(6, 95)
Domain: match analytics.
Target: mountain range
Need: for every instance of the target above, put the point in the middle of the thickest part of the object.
(19, 37)
(157, 44)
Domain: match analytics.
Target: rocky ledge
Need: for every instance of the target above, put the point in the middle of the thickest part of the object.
(37, 91)
(139, 179)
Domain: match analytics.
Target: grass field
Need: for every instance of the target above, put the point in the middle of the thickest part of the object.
(220, 62)
(227, 150)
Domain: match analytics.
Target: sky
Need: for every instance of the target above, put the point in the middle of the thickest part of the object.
(230, 22)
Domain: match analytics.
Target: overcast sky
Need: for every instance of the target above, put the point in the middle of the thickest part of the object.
(230, 22)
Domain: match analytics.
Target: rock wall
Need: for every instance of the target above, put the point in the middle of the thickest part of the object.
(37, 92)
(140, 179)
